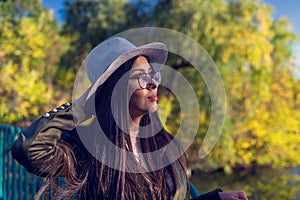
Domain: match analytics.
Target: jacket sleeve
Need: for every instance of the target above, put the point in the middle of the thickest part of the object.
(213, 195)
(37, 146)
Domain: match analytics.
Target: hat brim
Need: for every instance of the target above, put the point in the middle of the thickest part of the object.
(156, 54)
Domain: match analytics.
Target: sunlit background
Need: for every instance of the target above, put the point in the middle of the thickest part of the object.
(253, 43)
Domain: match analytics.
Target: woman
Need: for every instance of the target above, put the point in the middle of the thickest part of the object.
(103, 144)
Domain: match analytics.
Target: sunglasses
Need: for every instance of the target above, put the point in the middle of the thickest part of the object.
(145, 79)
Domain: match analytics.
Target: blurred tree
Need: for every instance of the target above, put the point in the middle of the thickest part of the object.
(252, 53)
(251, 50)
(28, 59)
(88, 23)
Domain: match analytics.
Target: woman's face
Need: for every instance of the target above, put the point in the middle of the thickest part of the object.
(142, 101)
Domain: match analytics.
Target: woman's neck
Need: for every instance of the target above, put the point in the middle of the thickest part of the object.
(134, 129)
(134, 124)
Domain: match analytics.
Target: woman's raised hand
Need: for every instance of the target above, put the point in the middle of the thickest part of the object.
(233, 195)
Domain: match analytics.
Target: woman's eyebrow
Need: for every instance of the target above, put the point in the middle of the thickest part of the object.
(139, 70)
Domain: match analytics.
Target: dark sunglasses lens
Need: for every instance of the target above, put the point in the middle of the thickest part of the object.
(144, 80)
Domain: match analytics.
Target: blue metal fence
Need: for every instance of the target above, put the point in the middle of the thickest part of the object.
(15, 181)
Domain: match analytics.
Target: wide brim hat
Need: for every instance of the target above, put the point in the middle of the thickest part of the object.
(112, 53)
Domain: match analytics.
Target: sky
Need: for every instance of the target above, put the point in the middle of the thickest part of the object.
(289, 9)
(56, 6)
(282, 8)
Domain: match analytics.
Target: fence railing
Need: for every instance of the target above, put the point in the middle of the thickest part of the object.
(15, 182)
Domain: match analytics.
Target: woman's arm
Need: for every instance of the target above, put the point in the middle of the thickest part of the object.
(213, 195)
(38, 147)
(231, 195)
(218, 194)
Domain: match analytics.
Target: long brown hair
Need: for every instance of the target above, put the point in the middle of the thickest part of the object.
(91, 179)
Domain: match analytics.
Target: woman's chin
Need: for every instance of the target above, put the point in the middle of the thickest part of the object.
(153, 108)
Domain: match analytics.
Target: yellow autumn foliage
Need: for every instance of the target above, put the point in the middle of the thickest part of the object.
(25, 47)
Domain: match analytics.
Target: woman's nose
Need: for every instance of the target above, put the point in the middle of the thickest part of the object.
(152, 85)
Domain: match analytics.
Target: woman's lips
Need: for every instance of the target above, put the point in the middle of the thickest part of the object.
(153, 98)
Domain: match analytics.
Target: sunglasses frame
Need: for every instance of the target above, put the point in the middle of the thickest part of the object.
(150, 76)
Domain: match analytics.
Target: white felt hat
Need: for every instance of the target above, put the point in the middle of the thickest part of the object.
(109, 55)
